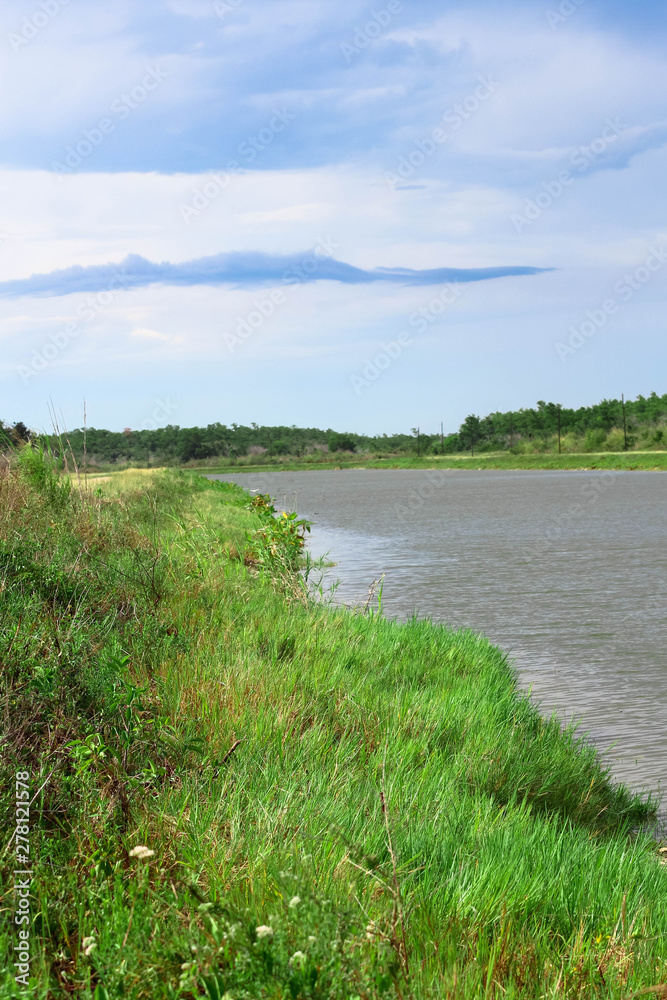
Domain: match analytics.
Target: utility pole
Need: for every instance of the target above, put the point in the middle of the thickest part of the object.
(625, 426)
(559, 428)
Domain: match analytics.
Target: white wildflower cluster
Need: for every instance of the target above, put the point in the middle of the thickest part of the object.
(141, 851)
(89, 944)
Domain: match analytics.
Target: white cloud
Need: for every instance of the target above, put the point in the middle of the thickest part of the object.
(143, 333)
(291, 213)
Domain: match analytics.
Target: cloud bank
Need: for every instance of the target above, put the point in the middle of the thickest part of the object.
(241, 270)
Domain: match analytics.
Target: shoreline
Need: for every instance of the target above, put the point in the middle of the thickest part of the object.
(574, 462)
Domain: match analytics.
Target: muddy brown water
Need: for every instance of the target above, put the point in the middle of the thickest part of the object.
(566, 571)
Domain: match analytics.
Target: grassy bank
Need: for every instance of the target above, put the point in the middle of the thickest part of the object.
(240, 793)
(630, 461)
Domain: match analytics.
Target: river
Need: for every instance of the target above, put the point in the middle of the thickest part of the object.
(566, 571)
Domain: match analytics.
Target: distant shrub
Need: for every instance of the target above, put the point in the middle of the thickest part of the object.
(279, 447)
(341, 442)
(594, 440)
(614, 440)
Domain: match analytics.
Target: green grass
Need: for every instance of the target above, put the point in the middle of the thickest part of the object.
(631, 460)
(378, 794)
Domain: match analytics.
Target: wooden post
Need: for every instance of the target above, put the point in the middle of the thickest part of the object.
(625, 426)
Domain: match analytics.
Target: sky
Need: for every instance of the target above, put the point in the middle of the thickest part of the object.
(369, 217)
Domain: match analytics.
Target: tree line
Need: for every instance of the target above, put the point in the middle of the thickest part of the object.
(588, 428)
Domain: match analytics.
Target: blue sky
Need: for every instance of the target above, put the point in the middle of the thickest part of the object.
(360, 216)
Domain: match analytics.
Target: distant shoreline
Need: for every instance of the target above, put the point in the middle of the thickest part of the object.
(575, 462)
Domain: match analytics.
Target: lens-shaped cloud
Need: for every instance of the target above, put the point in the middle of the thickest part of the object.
(241, 270)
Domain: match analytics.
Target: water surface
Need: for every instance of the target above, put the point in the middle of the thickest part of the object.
(566, 571)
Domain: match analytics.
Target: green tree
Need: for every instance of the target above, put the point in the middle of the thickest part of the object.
(469, 431)
(341, 442)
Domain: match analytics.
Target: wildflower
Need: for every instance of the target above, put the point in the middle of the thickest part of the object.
(298, 958)
(141, 851)
(89, 944)
(264, 932)
(294, 902)
(312, 939)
